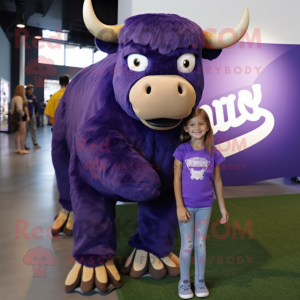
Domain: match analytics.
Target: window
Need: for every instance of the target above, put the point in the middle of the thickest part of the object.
(55, 35)
(76, 57)
(51, 52)
(55, 53)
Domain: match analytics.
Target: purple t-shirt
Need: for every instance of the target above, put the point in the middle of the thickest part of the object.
(197, 174)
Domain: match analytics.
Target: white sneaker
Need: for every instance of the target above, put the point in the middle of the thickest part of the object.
(201, 289)
(184, 290)
(24, 152)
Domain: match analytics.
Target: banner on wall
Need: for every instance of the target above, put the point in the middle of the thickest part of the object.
(252, 96)
(4, 105)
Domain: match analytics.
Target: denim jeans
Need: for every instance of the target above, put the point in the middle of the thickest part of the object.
(193, 236)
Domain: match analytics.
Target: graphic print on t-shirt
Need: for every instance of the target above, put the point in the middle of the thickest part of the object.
(197, 167)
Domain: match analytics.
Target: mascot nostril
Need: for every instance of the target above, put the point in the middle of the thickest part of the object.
(148, 89)
(179, 90)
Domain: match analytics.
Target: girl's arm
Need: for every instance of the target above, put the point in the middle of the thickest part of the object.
(219, 192)
(182, 213)
(27, 113)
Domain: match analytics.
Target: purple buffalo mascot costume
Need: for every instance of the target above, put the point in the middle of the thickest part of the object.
(115, 131)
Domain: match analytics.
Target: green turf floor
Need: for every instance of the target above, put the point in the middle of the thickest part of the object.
(274, 252)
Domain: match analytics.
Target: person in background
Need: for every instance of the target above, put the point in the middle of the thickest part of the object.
(54, 100)
(41, 113)
(19, 104)
(33, 112)
(296, 179)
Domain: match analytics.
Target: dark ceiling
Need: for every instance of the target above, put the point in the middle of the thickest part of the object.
(57, 15)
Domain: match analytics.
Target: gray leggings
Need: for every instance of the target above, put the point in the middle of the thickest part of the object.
(193, 235)
(31, 126)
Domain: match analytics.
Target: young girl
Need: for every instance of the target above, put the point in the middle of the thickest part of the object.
(196, 174)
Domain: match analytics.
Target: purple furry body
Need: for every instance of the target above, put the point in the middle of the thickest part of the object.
(103, 153)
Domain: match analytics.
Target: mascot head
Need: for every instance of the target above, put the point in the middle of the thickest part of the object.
(158, 76)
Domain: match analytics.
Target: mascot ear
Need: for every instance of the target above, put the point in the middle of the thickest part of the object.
(106, 47)
(210, 53)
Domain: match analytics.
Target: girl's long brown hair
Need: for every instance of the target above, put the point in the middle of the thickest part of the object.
(20, 91)
(208, 138)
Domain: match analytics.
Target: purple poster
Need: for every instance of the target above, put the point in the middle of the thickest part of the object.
(252, 95)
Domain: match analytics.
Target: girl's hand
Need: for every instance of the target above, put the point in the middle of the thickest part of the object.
(182, 214)
(27, 120)
(225, 216)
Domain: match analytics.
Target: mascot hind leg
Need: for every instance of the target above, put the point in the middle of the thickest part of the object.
(63, 221)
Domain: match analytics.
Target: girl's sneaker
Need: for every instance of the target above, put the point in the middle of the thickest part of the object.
(201, 289)
(184, 290)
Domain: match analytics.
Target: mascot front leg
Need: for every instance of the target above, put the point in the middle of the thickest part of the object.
(154, 239)
(95, 184)
(95, 240)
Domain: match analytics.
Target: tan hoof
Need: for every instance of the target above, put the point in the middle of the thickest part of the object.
(129, 262)
(74, 278)
(101, 280)
(175, 259)
(140, 264)
(170, 266)
(113, 275)
(156, 268)
(60, 222)
(68, 228)
(87, 280)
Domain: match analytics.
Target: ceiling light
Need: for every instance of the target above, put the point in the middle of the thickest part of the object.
(38, 37)
(19, 20)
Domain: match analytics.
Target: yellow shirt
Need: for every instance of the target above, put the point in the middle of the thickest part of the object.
(53, 103)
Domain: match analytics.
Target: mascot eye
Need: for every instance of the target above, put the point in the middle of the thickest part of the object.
(44, 68)
(186, 63)
(137, 62)
(36, 68)
(35, 258)
(43, 258)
